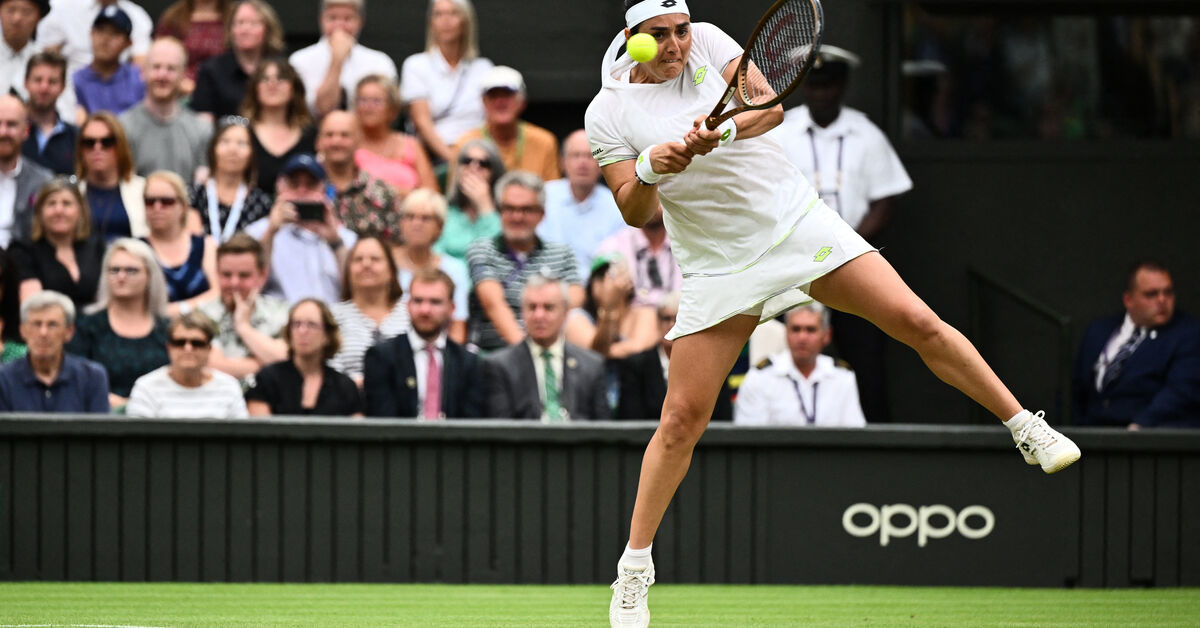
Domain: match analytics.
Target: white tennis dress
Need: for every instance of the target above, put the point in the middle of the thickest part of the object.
(748, 230)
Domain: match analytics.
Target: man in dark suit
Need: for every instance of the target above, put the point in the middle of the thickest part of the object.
(643, 375)
(1141, 368)
(543, 377)
(423, 373)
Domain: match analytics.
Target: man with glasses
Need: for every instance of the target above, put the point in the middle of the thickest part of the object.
(20, 179)
(51, 141)
(365, 204)
(163, 134)
(579, 211)
(48, 379)
(187, 388)
(500, 266)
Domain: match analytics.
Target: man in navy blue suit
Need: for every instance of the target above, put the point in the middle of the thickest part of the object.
(1141, 368)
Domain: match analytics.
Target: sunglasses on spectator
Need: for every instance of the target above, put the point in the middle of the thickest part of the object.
(165, 201)
(131, 271)
(93, 142)
(191, 343)
(466, 161)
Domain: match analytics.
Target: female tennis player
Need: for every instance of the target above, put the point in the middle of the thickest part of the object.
(753, 240)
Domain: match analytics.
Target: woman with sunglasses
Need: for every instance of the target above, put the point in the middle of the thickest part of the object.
(188, 261)
(126, 330)
(63, 253)
(396, 158)
(230, 198)
(472, 211)
(371, 310)
(104, 166)
(187, 388)
(305, 384)
(280, 123)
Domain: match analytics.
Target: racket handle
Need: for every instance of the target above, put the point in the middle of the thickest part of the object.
(712, 122)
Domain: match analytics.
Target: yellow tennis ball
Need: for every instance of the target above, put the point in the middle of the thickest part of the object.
(641, 47)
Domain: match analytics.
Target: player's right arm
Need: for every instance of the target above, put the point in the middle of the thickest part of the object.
(639, 202)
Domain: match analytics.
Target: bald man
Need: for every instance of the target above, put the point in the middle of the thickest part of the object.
(162, 133)
(19, 178)
(365, 204)
(579, 211)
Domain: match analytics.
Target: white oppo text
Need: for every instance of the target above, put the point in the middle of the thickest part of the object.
(920, 520)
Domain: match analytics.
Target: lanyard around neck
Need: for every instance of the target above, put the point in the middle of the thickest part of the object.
(809, 417)
(223, 234)
(812, 139)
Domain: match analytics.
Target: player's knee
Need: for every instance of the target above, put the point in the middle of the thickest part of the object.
(681, 425)
(920, 325)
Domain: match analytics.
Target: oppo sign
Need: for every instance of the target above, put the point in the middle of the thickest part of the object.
(928, 522)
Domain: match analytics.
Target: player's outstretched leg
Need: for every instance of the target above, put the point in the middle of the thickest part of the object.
(701, 363)
(869, 287)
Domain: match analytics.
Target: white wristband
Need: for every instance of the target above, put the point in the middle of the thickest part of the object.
(644, 170)
(728, 131)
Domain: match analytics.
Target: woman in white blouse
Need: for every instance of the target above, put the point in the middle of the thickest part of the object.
(440, 85)
(371, 310)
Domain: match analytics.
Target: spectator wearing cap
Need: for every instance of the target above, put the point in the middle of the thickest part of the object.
(49, 379)
(437, 84)
(51, 105)
(306, 251)
(522, 145)
(254, 33)
(67, 30)
(858, 174)
(333, 66)
(579, 211)
(18, 24)
(163, 134)
(107, 84)
(20, 179)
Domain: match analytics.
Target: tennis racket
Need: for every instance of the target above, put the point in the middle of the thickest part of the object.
(777, 57)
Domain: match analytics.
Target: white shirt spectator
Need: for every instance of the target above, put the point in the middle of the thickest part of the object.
(312, 63)
(580, 225)
(452, 93)
(775, 393)
(8, 202)
(156, 395)
(69, 23)
(302, 264)
(855, 163)
(12, 68)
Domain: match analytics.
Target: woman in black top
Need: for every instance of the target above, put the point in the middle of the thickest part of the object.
(280, 122)
(304, 384)
(230, 200)
(253, 32)
(64, 255)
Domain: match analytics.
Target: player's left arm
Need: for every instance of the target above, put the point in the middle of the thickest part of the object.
(751, 123)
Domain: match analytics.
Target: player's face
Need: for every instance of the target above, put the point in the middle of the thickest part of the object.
(430, 305)
(544, 311)
(673, 32)
(1151, 302)
(806, 336)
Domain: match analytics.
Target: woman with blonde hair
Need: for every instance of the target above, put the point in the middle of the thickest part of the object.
(253, 33)
(305, 384)
(188, 261)
(104, 166)
(281, 125)
(395, 157)
(62, 254)
(126, 329)
(439, 84)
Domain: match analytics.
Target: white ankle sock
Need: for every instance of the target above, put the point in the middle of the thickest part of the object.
(1017, 421)
(636, 558)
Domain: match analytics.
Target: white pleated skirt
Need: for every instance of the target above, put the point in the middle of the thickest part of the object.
(778, 281)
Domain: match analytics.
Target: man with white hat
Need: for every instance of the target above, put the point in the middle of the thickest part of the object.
(857, 172)
(523, 145)
(332, 67)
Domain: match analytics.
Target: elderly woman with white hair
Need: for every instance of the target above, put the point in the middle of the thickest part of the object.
(439, 84)
(126, 329)
(422, 218)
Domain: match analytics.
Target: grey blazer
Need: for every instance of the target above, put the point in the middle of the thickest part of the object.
(29, 182)
(511, 384)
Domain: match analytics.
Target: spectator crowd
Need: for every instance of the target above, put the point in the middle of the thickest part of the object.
(196, 225)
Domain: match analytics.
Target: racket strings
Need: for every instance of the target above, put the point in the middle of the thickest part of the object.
(781, 52)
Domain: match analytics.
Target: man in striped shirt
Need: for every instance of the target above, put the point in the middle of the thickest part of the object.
(500, 266)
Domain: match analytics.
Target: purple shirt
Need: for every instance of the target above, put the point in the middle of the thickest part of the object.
(120, 92)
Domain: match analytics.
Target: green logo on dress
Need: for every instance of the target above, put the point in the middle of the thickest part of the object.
(822, 254)
(699, 78)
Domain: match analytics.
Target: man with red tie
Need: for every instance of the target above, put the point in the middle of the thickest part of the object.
(422, 373)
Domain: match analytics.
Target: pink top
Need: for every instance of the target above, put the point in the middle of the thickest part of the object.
(204, 39)
(399, 173)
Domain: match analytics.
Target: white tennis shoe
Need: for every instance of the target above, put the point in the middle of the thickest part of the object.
(629, 607)
(1041, 444)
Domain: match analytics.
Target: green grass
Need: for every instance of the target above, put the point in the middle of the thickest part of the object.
(233, 605)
